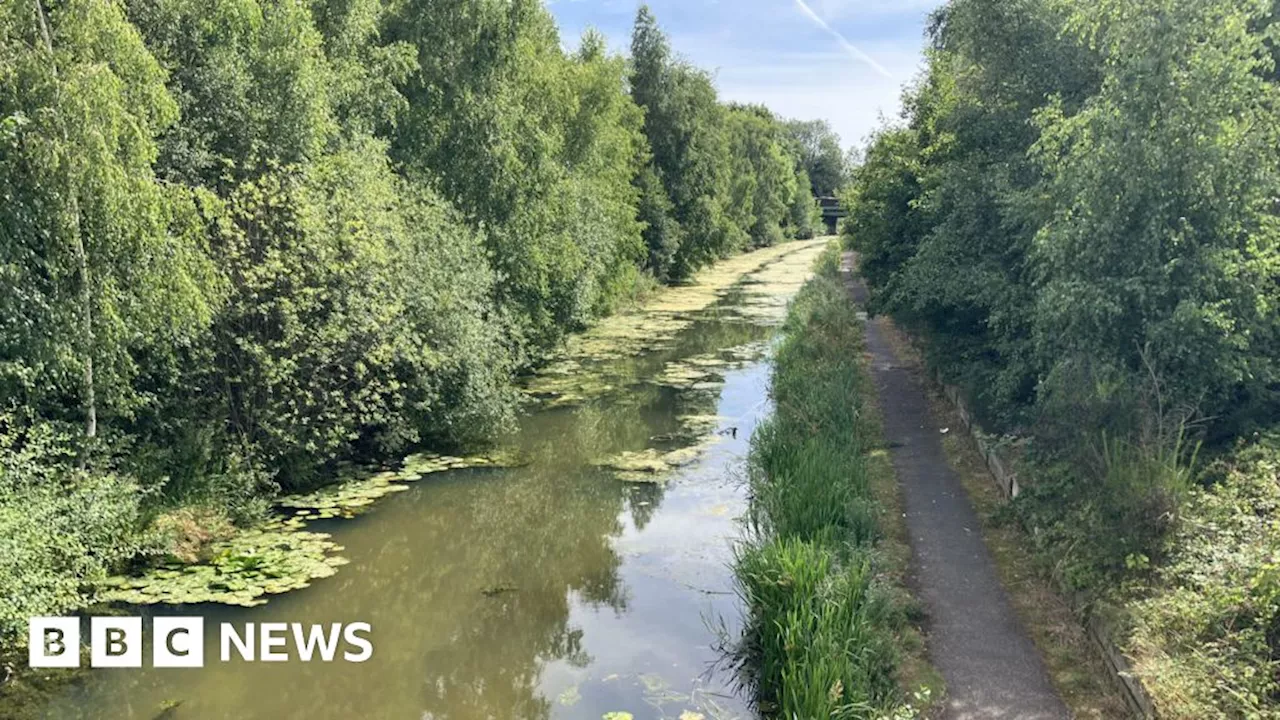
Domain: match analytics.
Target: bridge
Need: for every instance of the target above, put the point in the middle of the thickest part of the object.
(831, 212)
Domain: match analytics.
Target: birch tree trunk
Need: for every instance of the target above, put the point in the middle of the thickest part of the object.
(82, 267)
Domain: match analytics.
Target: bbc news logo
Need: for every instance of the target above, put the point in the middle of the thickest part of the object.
(178, 642)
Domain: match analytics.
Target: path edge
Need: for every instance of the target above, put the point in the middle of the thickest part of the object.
(1101, 632)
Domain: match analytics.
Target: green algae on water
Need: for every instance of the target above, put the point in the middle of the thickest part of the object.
(352, 497)
(577, 374)
(653, 465)
(570, 697)
(243, 571)
(279, 556)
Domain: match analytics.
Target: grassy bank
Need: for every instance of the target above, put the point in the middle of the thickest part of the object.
(827, 622)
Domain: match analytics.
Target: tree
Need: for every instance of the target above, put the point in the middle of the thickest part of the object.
(803, 213)
(760, 143)
(951, 201)
(1162, 239)
(547, 183)
(96, 261)
(690, 143)
(819, 149)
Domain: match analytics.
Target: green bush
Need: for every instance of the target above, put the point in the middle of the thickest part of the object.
(61, 527)
(1103, 526)
(1206, 629)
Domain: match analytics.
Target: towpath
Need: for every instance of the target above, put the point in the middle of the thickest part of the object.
(992, 669)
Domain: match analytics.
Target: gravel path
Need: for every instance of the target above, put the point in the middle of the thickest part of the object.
(991, 668)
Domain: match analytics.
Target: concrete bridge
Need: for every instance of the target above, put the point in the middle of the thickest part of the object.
(831, 212)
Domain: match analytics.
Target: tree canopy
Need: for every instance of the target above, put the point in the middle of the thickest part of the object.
(1079, 188)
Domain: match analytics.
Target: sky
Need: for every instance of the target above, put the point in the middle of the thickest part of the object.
(844, 61)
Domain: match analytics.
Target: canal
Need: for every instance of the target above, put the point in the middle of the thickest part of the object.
(590, 578)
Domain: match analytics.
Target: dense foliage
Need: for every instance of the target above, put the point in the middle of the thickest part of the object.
(1078, 215)
(242, 241)
(1082, 191)
(821, 157)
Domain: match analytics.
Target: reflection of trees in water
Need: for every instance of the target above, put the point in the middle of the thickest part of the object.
(532, 541)
(540, 536)
(642, 503)
(718, 333)
(599, 428)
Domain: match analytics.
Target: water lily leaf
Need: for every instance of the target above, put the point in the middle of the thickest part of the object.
(242, 571)
(653, 682)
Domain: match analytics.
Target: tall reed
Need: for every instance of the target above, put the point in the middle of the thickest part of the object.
(819, 641)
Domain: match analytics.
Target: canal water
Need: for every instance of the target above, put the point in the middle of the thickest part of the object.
(571, 586)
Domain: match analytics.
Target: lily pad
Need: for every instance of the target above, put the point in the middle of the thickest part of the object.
(683, 456)
(353, 496)
(653, 465)
(653, 682)
(642, 461)
(241, 572)
(699, 424)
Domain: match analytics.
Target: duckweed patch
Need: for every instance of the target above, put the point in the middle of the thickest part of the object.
(271, 560)
(352, 497)
(653, 465)
(588, 367)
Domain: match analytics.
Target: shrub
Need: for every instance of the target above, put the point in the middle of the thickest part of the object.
(1103, 526)
(1206, 635)
(61, 527)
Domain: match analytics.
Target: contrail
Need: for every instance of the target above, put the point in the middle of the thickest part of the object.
(848, 46)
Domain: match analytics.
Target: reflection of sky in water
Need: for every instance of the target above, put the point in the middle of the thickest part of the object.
(656, 659)
(549, 590)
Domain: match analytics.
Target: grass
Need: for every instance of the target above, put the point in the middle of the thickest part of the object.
(828, 633)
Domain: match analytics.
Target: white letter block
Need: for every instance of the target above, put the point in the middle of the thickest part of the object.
(115, 642)
(177, 642)
(53, 642)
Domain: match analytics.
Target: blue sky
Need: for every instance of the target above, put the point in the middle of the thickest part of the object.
(774, 52)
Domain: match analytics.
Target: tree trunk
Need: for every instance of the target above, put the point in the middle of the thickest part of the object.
(82, 267)
(86, 326)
